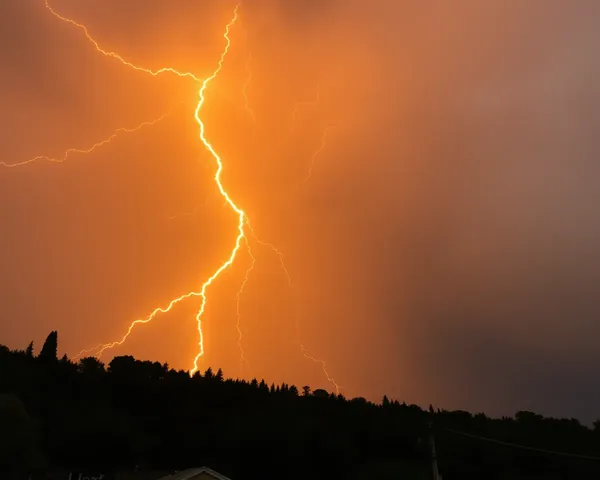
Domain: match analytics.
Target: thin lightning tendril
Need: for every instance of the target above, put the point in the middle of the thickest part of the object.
(318, 152)
(289, 278)
(87, 150)
(239, 294)
(274, 249)
(115, 55)
(323, 366)
(245, 90)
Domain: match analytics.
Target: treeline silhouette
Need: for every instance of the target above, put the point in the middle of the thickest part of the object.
(60, 415)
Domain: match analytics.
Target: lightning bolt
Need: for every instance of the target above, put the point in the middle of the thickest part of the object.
(324, 367)
(246, 278)
(274, 249)
(100, 349)
(115, 55)
(239, 294)
(87, 150)
(322, 146)
(240, 213)
(242, 218)
(245, 90)
(289, 279)
(324, 135)
(319, 150)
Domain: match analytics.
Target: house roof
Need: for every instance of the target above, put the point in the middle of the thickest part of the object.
(192, 472)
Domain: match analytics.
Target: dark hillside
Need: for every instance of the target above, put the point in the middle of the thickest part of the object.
(59, 415)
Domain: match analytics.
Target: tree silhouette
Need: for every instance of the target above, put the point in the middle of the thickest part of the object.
(50, 347)
(29, 350)
(91, 366)
(85, 417)
(320, 393)
(123, 367)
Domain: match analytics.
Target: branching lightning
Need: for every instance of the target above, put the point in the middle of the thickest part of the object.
(289, 279)
(240, 213)
(273, 248)
(242, 220)
(239, 294)
(100, 349)
(86, 150)
(115, 55)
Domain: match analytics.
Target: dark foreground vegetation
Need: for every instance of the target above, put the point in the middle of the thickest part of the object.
(58, 415)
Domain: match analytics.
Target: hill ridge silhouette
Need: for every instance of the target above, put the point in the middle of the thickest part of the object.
(56, 414)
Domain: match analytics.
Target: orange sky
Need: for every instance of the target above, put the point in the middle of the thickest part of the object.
(447, 230)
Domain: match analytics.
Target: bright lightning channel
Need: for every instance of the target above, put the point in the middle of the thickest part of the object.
(87, 150)
(242, 219)
(240, 213)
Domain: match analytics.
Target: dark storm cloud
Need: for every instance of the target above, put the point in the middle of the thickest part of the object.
(469, 170)
(499, 267)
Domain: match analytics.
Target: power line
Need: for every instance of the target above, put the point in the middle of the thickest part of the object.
(523, 447)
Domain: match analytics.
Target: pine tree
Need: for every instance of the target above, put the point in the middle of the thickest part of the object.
(50, 347)
(29, 351)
